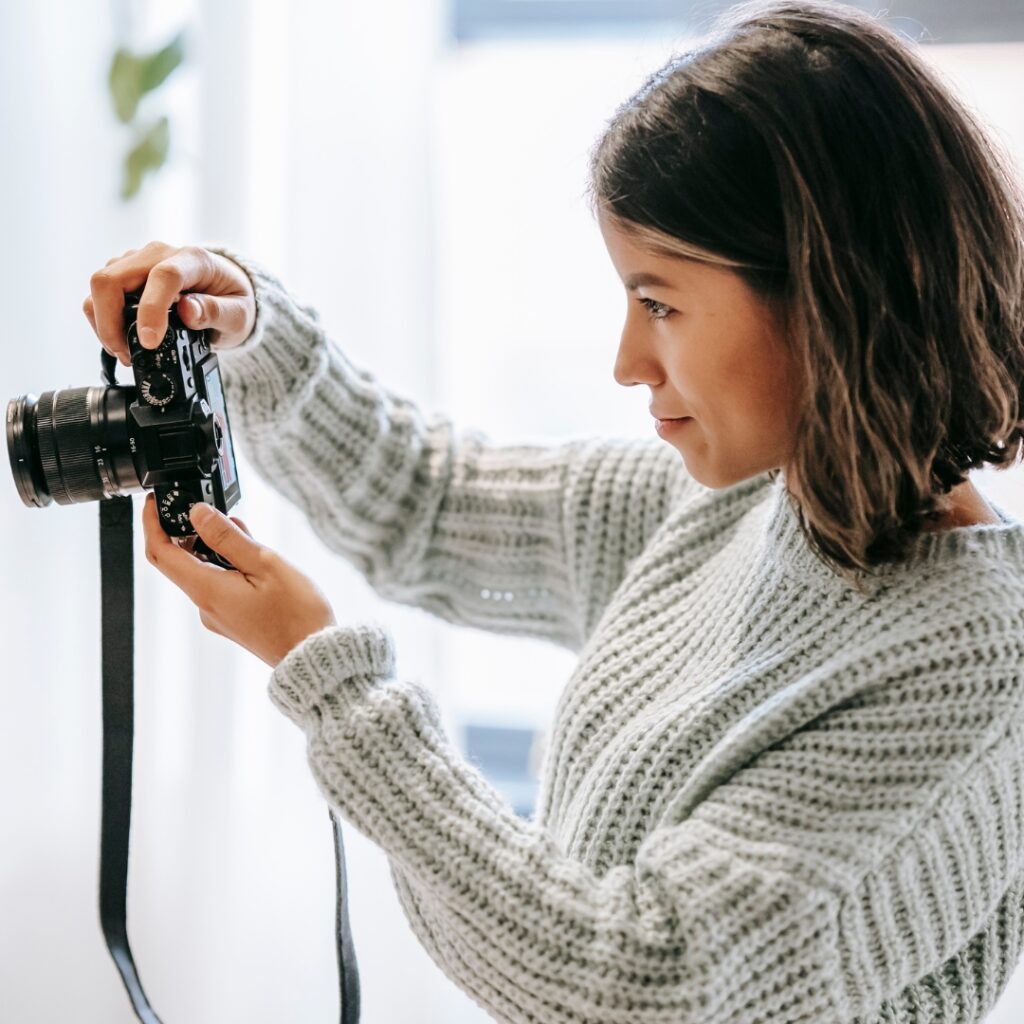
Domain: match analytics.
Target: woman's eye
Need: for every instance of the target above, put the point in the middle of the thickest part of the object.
(655, 310)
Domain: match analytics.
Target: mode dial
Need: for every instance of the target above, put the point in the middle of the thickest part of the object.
(174, 508)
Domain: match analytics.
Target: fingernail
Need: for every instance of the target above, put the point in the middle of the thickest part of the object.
(200, 513)
(195, 308)
(148, 337)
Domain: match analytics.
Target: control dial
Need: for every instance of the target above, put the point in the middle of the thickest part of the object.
(174, 509)
(158, 388)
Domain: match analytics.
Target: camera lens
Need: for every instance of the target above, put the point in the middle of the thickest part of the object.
(71, 445)
(21, 444)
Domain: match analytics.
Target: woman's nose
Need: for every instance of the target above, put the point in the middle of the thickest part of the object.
(634, 361)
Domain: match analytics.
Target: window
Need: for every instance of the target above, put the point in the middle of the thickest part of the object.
(943, 21)
(509, 757)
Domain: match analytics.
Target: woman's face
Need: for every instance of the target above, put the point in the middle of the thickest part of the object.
(708, 348)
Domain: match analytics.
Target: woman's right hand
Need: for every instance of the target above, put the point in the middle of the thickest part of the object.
(171, 274)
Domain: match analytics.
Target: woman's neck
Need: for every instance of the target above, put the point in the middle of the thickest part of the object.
(967, 508)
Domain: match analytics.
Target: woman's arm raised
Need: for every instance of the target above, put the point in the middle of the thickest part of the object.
(527, 540)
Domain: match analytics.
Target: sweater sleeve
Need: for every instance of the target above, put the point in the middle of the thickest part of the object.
(526, 540)
(821, 877)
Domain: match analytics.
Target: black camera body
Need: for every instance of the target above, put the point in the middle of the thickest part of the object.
(178, 426)
(169, 433)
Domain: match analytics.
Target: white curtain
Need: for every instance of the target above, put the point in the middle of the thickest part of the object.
(300, 136)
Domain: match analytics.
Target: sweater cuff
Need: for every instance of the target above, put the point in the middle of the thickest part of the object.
(336, 666)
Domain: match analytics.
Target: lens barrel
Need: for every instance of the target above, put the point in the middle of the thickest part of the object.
(71, 445)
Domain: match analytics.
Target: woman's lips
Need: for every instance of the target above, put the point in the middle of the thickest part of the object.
(668, 426)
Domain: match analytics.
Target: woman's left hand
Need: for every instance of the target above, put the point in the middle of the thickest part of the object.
(267, 606)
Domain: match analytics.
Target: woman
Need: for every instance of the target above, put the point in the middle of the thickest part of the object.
(786, 780)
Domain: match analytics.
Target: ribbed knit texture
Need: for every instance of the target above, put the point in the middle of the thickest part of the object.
(765, 797)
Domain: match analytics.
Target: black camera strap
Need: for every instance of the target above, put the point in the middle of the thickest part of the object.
(118, 586)
(118, 631)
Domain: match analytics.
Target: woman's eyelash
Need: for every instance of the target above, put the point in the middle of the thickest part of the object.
(656, 310)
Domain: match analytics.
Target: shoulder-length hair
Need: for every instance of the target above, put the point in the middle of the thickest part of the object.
(811, 149)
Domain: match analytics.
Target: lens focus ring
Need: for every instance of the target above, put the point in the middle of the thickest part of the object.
(71, 474)
(78, 464)
(48, 448)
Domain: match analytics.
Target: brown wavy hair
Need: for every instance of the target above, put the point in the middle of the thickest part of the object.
(810, 148)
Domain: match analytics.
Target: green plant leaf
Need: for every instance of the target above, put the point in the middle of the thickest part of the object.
(124, 85)
(132, 76)
(157, 66)
(149, 153)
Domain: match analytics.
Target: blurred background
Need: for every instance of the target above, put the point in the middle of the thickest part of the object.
(415, 169)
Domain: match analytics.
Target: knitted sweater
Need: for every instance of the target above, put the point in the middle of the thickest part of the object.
(765, 797)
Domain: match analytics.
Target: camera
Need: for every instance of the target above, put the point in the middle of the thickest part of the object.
(169, 433)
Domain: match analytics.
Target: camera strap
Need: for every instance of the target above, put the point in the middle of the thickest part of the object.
(118, 632)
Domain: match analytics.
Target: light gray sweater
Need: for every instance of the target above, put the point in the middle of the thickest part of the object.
(765, 798)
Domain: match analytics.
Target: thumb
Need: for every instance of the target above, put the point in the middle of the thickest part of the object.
(241, 523)
(222, 535)
(227, 315)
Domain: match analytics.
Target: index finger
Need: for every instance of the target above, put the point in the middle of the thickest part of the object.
(107, 288)
(179, 566)
(167, 280)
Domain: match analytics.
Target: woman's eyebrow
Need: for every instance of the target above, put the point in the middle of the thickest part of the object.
(634, 281)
